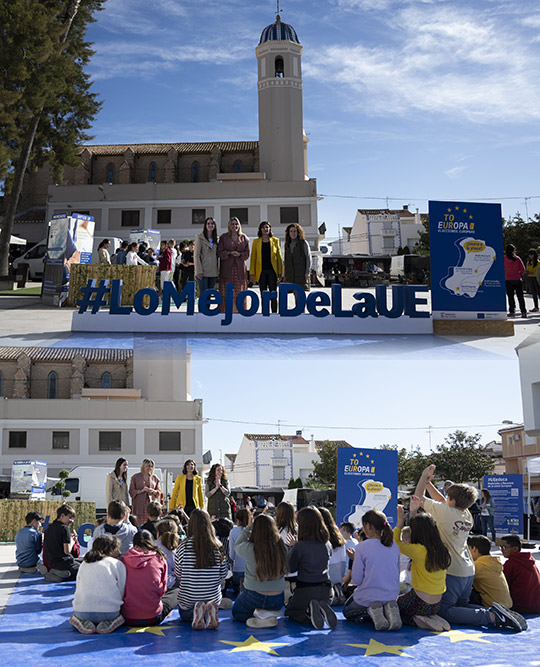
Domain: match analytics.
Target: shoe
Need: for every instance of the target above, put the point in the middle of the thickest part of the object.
(434, 623)
(511, 314)
(28, 570)
(51, 576)
(86, 627)
(376, 613)
(212, 620)
(315, 614)
(534, 310)
(392, 615)
(267, 613)
(524, 315)
(329, 614)
(42, 568)
(105, 627)
(255, 622)
(509, 620)
(199, 613)
(226, 603)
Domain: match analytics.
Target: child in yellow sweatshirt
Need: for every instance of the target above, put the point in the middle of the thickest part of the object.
(489, 583)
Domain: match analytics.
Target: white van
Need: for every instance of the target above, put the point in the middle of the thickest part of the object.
(88, 483)
(115, 244)
(35, 258)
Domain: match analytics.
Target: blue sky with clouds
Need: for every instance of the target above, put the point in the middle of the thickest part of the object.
(406, 99)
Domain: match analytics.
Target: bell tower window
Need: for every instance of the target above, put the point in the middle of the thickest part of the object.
(195, 172)
(279, 67)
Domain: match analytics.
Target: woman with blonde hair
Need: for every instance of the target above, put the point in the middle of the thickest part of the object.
(144, 488)
(187, 493)
(233, 252)
(265, 556)
(205, 256)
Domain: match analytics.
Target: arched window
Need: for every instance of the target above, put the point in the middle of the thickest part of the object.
(279, 66)
(110, 172)
(195, 172)
(106, 381)
(152, 172)
(238, 166)
(52, 388)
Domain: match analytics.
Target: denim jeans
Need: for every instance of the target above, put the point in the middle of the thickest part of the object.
(206, 283)
(246, 603)
(455, 607)
(237, 581)
(488, 521)
(354, 611)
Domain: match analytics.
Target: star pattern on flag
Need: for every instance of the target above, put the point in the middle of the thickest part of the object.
(375, 648)
(460, 636)
(152, 629)
(254, 644)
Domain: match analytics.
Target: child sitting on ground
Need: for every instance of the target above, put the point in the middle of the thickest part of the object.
(167, 541)
(117, 525)
(238, 563)
(153, 510)
(429, 561)
(347, 529)
(338, 560)
(375, 572)
(522, 576)
(489, 584)
(100, 588)
(28, 543)
(58, 545)
(454, 522)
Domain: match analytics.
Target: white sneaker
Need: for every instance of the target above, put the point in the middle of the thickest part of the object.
(267, 613)
(255, 622)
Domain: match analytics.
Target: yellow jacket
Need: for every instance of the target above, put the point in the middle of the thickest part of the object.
(490, 581)
(255, 263)
(179, 492)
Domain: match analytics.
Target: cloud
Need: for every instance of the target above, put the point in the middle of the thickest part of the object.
(454, 172)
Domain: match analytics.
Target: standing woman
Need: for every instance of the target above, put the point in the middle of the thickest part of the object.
(187, 490)
(266, 264)
(117, 487)
(487, 513)
(297, 266)
(217, 492)
(533, 269)
(513, 273)
(103, 252)
(233, 252)
(205, 256)
(144, 488)
(132, 258)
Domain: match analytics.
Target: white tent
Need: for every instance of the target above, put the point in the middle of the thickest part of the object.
(533, 465)
(16, 240)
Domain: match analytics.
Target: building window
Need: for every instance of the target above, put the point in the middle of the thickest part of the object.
(238, 169)
(110, 172)
(169, 441)
(106, 381)
(130, 218)
(17, 439)
(288, 215)
(198, 216)
(110, 441)
(240, 213)
(280, 67)
(52, 389)
(60, 440)
(388, 242)
(195, 172)
(152, 172)
(164, 216)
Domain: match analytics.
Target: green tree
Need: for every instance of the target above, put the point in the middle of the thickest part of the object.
(461, 458)
(46, 104)
(422, 246)
(410, 464)
(524, 234)
(325, 469)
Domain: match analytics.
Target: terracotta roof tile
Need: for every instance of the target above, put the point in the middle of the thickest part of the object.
(91, 354)
(195, 147)
(298, 440)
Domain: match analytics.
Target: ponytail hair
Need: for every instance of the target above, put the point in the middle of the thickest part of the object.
(377, 520)
(144, 540)
(103, 545)
(167, 531)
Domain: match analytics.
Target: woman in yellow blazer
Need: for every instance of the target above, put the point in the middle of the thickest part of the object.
(188, 490)
(266, 264)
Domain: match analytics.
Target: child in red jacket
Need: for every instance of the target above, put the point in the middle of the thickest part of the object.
(522, 575)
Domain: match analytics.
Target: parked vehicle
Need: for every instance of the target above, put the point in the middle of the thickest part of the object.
(35, 258)
(410, 269)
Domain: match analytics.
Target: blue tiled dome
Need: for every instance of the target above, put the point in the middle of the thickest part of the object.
(279, 32)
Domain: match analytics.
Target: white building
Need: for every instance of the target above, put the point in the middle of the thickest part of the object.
(380, 232)
(93, 406)
(529, 370)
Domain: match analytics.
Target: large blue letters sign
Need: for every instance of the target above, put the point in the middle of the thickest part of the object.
(467, 261)
(507, 494)
(366, 480)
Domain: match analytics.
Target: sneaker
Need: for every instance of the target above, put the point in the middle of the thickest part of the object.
(212, 620)
(86, 627)
(28, 570)
(255, 622)
(267, 613)
(392, 615)
(226, 603)
(509, 620)
(376, 613)
(42, 568)
(329, 614)
(199, 612)
(51, 576)
(315, 614)
(104, 627)
(434, 623)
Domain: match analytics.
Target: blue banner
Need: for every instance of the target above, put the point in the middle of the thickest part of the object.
(366, 480)
(507, 494)
(467, 261)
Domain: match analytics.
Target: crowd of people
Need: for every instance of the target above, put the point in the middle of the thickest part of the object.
(516, 273)
(142, 563)
(217, 261)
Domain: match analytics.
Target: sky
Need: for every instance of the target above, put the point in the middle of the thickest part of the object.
(404, 100)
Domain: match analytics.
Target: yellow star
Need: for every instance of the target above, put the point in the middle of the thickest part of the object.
(374, 648)
(460, 636)
(153, 629)
(449, 210)
(457, 289)
(476, 270)
(470, 217)
(252, 644)
(464, 210)
(457, 208)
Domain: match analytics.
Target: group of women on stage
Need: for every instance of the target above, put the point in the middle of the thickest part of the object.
(226, 259)
(145, 487)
